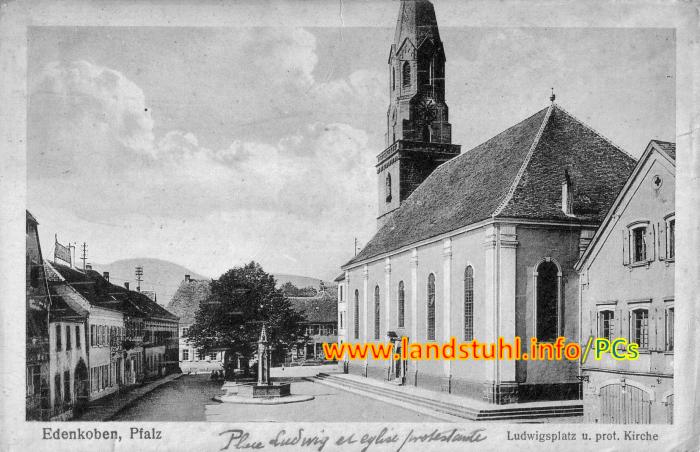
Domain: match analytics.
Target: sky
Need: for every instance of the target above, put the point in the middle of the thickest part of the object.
(212, 147)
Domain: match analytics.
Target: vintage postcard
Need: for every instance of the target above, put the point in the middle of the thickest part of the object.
(362, 225)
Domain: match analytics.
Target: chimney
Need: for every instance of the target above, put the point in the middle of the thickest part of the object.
(105, 275)
(88, 267)
(187, 278)
(126, 284)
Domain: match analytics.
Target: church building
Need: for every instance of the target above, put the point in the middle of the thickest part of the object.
(478, 244)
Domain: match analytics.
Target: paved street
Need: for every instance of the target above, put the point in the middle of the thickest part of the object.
(183, 399)
(189, 399)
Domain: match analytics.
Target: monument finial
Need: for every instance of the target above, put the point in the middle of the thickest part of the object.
(263, 335)
(553, 96)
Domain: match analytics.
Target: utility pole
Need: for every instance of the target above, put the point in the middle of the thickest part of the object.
(84, 257)
(139, 274)
(355, 246)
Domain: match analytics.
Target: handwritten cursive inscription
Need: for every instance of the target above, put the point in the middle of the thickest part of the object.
(239, 439)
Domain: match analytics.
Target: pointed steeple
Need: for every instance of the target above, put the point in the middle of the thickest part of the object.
(418, 131)
(416, 22)
(417, 109)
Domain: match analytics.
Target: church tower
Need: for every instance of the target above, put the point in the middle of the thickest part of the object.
(419, 134)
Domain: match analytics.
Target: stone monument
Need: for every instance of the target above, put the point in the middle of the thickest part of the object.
(264, 391)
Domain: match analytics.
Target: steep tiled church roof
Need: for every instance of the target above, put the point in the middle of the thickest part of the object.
(518, 173)
(186, 300)
(322, 308)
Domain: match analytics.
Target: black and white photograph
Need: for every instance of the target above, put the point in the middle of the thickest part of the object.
(350, 225)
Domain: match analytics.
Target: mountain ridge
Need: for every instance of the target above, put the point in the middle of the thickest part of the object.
(164, 277)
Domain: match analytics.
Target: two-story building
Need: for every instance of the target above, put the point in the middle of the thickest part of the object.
(88, 294)
(321, 314)
(627, 291)
(68, 359)
(185, 303)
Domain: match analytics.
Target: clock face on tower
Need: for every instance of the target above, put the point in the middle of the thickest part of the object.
(426, 110)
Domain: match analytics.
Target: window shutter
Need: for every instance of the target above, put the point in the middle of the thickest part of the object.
(593, 323)
(629, 327)
(663, 253)
(625, 247)
(650, 241)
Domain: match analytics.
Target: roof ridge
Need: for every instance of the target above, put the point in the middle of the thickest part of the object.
(526, 162)
(48, 264)
(597, 133)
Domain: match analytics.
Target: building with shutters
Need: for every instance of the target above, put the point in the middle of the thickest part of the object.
(627, 291)
(321, 314)
(476, 244)
(128, 337)
(184, 304)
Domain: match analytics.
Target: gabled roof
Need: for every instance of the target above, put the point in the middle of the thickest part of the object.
(62, 309)
(186, 300)
(322, 308)
(664, 148)
(340, 277)
(667, 147)
(516, 174)
(101, 293)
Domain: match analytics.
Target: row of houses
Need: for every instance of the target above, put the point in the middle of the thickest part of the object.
(86, 337)
(547, 229)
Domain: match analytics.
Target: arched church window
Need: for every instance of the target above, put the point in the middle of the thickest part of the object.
(388, 188)
(406, 74)
(376, 312)
(468, 303)
(393, 79)
(402, 304)
(547, 278)
(357, 314)
(431, 307)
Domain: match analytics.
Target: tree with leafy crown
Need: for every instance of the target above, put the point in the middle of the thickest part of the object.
(230, 319)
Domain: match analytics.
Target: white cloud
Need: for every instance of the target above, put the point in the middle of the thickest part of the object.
(99, 159)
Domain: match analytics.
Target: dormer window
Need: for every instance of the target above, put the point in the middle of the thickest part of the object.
(567, 195)
(388, 188)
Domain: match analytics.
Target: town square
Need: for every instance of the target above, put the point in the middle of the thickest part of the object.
(209, 208)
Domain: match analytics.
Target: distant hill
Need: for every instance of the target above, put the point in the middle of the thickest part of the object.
(300, 281)
(163, 277)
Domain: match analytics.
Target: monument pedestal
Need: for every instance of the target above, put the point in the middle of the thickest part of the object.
(264, 392)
